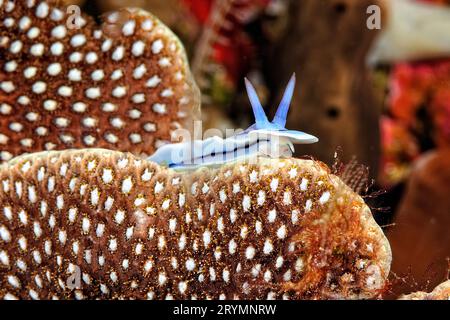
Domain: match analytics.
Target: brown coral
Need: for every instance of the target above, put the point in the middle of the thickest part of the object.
(441, 292)
(129, 228)
(66, 82)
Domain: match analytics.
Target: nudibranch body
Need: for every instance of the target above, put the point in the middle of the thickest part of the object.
(264, 138)
(104, 224)
(66, 82)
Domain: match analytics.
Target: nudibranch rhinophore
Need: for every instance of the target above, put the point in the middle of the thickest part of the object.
(66, 82)
(441, 292)
(263, 138)
(96, 223)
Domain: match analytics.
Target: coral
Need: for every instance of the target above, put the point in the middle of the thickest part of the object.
(441, 292)
(423, 215)
(67, 82)
(224, 48)
(417, 118)
(128, 228)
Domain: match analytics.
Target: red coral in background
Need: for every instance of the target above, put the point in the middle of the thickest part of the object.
(419, 115)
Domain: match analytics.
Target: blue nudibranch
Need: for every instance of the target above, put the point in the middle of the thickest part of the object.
(263, 138)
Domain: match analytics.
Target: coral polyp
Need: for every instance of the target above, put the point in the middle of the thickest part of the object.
(128, 228)
(441, 292)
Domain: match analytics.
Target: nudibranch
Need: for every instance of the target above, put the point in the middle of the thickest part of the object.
(66, 82)
(263, 138)
(94, 223)
(441, 292)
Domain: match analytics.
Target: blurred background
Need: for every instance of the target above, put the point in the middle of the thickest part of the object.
(373, 81)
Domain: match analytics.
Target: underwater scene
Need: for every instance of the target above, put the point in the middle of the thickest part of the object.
(225, 149)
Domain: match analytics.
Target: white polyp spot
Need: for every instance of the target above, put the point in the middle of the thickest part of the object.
(272, 215)
(128, 28)
(281, 232)
(65, 91)
(97, 75)
(113, 244)
(153, 81)
(42, 10)
(138, 249)
(120, 216)
(162, 278)
(39, 87)
(138, 48)
(109, 107)
(91, 58)
(127, 184)
(23, 100)
(148, 266)
(294, 216)
(10, 66)
(74, 75)
(37, 49)
(54, 69)
(279, 262)
(299, 265)
(79, 107)
(33, 33)
(107, 175)
(287, 275)
(304, 184)
(190, 264)
(59, 32)
(139, 72)
(24, 23)
(308, 205)
(246, 203)
(233, 215)
(182, 287)
(76, 57)
(147, 25)
(93, 93)
(206, 238)
(165, 205)
(5, 234)
(16, 47)
(117, 74)
(119, 91)
(250, 252)
(138, 98)
(57, 48)
(268, 246)
(274, 184)
(118, 54)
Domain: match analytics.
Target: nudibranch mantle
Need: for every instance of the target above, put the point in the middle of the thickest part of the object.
(263, 138)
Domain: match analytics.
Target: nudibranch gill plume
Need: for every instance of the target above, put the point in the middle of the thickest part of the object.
(88, 224)
(122, 85)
